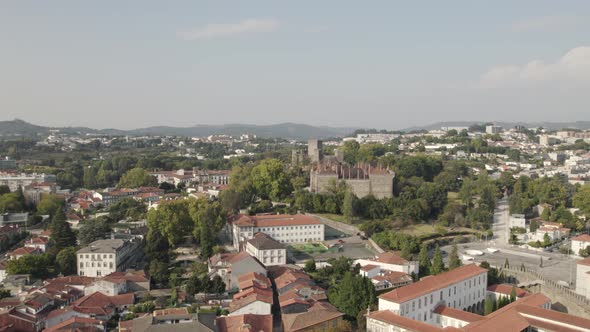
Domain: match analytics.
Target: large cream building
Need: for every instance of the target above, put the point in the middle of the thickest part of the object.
(104, 257)
(284, 228)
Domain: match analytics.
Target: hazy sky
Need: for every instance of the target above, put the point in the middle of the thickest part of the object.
(384, 64)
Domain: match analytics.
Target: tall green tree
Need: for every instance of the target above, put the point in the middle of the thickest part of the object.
(348, 205)
(49, 205)
(271, 180)
(137, 177)
(488, 305)
(35, 265)
(353, 294)
(61, 232)
(66, 261)
(438, 265)
(424, 261)
(454, 260)
(581, 199)
(172, 220)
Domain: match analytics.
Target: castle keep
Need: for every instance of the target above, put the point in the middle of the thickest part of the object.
(362, 179)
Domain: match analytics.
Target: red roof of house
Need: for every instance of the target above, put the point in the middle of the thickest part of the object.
(507, 290)
(583, 238)
(253, 279)
(390, 257)
(368, 268)
(246, 323)
(457, 314)
(276, 220)
(23, 251)
(133, 276)
(77, 321)
(38, 240)
(408, 324)
(430, 284)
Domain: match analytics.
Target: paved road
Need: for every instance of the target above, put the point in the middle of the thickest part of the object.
(556, 266)
(500, 226)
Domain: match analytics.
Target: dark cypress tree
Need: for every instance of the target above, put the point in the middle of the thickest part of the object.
(61, 233)
(437, 262)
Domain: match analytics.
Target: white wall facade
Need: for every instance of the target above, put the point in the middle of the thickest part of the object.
(460, 295)
(577, 245)
(268, 257)
(583, 280)
(409, 268)
(96, 264)
(283, 234)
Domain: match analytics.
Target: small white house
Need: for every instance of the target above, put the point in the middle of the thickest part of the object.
(580, 242)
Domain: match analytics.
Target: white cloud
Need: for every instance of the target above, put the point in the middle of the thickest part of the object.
(574, 66)
(544, 23)
(229, 29)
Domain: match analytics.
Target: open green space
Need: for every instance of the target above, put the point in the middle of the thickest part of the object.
(308, 248)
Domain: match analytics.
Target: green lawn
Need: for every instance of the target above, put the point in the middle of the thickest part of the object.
(340, 218)
(308, 248)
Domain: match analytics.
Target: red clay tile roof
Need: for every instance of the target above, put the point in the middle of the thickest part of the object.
(276, 220)
(133, 276)
(236, 305)
(390, 257)
(248, 322)
(457, 314)
(318, 313)
(430, 284)
(368, 268)
(37, 240)
(253, 279)
(583, 237)
(389, 317)
(507, 290)
(253, 290)
(23, 251)
(73, 321)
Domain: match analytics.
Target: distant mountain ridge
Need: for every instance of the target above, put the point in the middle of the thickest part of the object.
(19, 127)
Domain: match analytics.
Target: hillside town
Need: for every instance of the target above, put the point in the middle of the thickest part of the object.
(471, 228)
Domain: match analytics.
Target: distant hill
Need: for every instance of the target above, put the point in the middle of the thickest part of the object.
(19, 127)
(506, 125)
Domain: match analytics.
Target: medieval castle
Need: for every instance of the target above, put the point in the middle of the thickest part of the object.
(363, 179)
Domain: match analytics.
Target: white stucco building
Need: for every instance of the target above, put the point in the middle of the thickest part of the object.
(517, 220)
(463, 288)
(389, 261)
(267, 250)
(583, 277)
(284, 228)
(104, 257)
(580, 242)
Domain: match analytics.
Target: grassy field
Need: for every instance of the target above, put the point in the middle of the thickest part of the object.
(340, 218)
(419, 230)
(308, 248)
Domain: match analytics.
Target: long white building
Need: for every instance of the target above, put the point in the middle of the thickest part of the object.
(15, 180)
(284, 228)
(463, 288)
